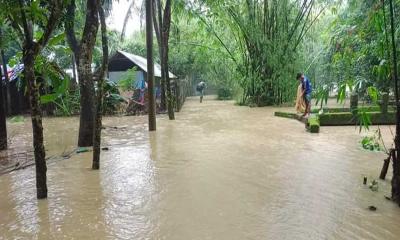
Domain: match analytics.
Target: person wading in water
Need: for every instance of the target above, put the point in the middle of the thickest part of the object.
(306, 92)
(201, 86)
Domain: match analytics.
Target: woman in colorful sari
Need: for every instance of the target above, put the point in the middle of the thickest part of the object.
(300, 104)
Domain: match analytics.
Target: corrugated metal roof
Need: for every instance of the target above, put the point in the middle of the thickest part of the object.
(141, 62)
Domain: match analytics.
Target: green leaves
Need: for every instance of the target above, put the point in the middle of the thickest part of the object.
(371, 143)
(59, 92)
(373, 94)
(57, 39)
(364, 120)
(322, 95)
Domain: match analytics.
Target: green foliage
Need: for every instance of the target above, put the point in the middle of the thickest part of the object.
(321, 95)
(371, 143)
(225, 93)
(313, 124)
(112, 97)
(128, 79)
(17, 119)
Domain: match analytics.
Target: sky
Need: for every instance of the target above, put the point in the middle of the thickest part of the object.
(120, 8)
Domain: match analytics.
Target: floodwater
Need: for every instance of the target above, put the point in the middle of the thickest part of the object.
(218, 172)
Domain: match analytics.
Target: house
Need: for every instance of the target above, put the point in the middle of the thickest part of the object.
(122, 61)
(17, 93)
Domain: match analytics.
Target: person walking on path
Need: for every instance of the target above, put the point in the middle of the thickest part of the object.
(306, 92)
(201, 86)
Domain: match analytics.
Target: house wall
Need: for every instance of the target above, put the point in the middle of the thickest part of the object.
(116, 76)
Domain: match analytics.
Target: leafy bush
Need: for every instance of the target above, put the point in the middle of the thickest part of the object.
(371, 143)
(224, 93)
(112, 97)
(128, 79)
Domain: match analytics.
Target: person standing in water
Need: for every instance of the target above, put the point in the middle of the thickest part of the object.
(306, 92)
(201, 86)
(300, 103)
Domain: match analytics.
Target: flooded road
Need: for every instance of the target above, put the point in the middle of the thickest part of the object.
(218, 172)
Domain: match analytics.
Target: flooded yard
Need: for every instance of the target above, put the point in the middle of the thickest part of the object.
(217, 172)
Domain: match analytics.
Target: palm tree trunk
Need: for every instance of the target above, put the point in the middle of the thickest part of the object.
(83, 53)
(37, 127)
(164, 60)
(150, 65)
(396, 160)
(7, 81)
(158, 23)
(3, 124)
(100, 88)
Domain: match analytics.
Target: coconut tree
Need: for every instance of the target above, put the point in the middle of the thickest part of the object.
(3, 125)
(100, 88)
(162, 24)
(34, 22)
(83, 51)
(396, 163)
(128, 15)
(4, 62)
(150, 65)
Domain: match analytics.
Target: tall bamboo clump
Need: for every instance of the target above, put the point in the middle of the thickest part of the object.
(269, 34)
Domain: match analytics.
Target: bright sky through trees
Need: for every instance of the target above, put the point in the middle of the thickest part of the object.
(118, 13)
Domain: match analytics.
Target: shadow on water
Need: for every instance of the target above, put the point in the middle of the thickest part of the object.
(217, 172)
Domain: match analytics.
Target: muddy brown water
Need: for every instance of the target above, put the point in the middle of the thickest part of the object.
(218, 172)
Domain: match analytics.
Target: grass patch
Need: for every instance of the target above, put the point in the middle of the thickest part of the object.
(347, 118)
(286, 115)
(313, 124)
(17, 119)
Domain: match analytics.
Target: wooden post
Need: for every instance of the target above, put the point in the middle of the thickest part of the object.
(386, 163)
(150, 66)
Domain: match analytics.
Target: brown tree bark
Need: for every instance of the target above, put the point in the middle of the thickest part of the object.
(164, 60)
(158, 23)
(31, 49)
(83, 51)
(3, 124)
(395, 160)
(37, 127)
(100, 88)
(7, 85)
(150, 65)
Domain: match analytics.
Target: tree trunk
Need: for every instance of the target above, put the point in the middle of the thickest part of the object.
(86, 86)
(150, 66)
(36, 115)
(164, 59)
(7, 81)
(3, 124)
(85, 75)
(83, 52)
(158, 22)
(396, 162)
(100, 88)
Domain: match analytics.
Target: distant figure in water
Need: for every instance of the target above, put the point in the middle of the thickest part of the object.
(306, 91)
(201, 86)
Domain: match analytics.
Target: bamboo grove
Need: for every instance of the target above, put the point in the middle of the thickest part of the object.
(268, 37)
